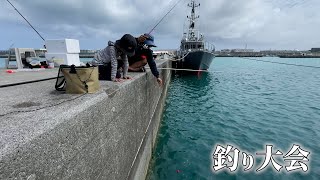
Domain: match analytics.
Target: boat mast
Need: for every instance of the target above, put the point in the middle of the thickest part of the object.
(192, 19)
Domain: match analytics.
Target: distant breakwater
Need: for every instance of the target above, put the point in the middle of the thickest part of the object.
(43, 56)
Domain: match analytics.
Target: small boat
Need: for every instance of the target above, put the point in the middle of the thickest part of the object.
(24, 58)
(195, 53)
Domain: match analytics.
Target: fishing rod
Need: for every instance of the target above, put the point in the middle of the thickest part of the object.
(26, 20)
(164, 16)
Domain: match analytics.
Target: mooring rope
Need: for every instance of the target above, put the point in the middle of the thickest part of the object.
(175, 69)
(289, 64)
(252, 59)
(173, 59)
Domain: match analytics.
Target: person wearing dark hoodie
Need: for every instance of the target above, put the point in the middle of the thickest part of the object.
(107, 58)
(143, 56)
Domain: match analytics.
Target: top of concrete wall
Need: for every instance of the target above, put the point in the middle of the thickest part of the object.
(27, 111)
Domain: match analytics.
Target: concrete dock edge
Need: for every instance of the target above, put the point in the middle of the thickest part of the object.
(106, 135)
(139, 169)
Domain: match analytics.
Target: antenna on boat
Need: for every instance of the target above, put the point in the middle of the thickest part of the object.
(26, 20)
(193, 16)
(11, 45)
(164, 16)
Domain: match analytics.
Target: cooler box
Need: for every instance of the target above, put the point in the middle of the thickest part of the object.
(68, 46)
(68, 59)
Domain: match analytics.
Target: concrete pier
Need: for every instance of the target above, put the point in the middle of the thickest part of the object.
(45, 134)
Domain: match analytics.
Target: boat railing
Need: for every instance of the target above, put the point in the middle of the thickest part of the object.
(209, 47)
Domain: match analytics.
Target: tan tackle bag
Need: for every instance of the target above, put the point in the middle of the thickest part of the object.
(78, 79)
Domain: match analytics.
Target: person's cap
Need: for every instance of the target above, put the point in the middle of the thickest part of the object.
(149, 40)
(127, 44)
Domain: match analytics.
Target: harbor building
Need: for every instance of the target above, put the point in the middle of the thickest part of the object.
(315, 50)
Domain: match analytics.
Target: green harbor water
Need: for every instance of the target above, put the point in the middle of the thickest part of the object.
(246, 104)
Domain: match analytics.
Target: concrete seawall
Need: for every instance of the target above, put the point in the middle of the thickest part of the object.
(108, 135)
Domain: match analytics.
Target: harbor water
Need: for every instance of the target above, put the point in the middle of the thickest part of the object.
(248, 105)
(2, 62)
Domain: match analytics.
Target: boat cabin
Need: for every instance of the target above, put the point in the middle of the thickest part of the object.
(192, 45)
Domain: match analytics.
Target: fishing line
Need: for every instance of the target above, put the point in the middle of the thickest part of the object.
(26, 20)
(164, 16)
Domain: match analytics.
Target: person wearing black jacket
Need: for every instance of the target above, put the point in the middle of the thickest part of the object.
(144, 55)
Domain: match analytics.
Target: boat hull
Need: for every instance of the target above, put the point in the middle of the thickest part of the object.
(198, 60)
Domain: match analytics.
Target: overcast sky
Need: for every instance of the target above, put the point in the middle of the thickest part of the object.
(261, 24)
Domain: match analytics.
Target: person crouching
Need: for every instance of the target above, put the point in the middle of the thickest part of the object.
(107, 61)
(143, 56)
